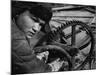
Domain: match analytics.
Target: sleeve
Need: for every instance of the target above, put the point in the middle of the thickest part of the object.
(26, 62)
(22, 59)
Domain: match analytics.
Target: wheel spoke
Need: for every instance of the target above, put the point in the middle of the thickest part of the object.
(85, 41)
(73, 38)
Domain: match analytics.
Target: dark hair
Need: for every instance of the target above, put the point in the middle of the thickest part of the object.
(41, 12)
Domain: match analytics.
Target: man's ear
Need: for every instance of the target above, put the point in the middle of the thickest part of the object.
(47, 28)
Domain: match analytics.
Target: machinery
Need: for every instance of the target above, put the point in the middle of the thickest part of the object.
(70, 52)
(64, 40)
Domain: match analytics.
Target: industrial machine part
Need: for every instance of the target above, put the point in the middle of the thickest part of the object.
(69, 52)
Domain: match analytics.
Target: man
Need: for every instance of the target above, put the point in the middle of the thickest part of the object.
(28, 28)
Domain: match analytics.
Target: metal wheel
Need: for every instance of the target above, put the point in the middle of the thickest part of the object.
(74, 48)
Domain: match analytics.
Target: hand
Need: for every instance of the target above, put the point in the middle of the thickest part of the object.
(56, 65)
(43, 56)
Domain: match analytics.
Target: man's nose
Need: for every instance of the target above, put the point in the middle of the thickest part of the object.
(36, 27)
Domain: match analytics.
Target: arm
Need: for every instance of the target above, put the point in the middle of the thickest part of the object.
(23, 61)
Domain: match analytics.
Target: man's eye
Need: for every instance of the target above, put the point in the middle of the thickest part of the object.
(36, 20)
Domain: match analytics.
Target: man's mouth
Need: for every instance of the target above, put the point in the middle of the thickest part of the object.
(30, 34)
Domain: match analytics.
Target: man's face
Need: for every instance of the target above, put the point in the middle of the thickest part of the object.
(32, 24)
(35, 26)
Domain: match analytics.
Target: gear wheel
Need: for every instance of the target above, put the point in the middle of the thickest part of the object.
(59, 30)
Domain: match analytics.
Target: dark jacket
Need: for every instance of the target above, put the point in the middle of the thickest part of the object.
(23, 58)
